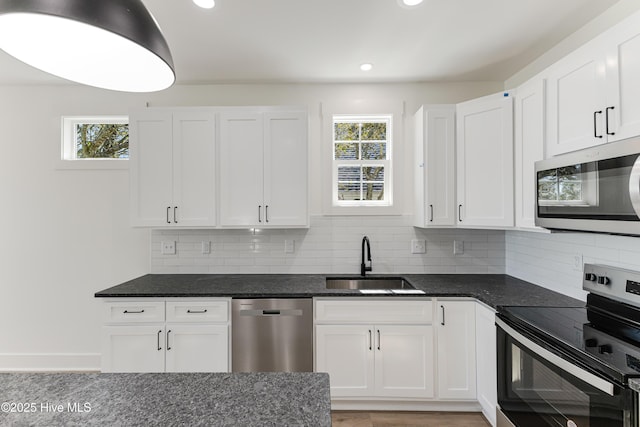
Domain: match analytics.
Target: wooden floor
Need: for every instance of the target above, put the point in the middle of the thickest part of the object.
(414, 419)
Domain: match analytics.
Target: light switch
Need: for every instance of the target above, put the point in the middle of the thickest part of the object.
(458, 247)
(206, 247)
(289, 246)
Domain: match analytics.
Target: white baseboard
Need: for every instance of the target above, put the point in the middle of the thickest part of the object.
(403, 405)
(49, 362)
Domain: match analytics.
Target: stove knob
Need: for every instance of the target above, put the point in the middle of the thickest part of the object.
(605, 349)
(590, 277)
(603, 280)
(591, 342)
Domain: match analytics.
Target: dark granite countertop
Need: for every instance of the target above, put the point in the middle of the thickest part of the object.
(492, 289)
(216, 399)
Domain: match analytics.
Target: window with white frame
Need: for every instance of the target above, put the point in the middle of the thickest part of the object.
(362, 160)
(96, 137)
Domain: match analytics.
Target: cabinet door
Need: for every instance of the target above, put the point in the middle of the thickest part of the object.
(486, 361)
(241, 170)
(576, 88)
(485, 162)
(151, 168)
(197, 348)
(623, 69)
(347, 354)
(286, 168)
(404, 361)
(133, 348)
(529, 145)
(194, 169)
(435, 167)
(456, 350)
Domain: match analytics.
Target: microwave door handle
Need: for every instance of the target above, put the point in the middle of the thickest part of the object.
(634, 186)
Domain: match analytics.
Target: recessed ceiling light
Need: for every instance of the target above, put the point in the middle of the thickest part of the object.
(206, 4)
(409, 3)
(366, 67)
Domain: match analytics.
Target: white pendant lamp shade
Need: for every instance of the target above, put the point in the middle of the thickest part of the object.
(110, 44)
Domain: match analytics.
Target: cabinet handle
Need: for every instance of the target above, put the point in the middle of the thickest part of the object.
(442, 307)
(168, 345)
(133, 312)
(197, 311)
(369, 339)
(431, 213)
(459, 213)
(175, 208)
(595, 127)
(606, 116)
(378, 339)
(159, 332)
(259, 213)
(266, 213)
(168, 208)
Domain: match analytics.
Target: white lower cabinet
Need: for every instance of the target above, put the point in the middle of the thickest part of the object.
(456, 341)
(194, 337)
(391, 358)
(486, 361)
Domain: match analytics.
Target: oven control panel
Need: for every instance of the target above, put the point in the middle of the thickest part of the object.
(612, 282)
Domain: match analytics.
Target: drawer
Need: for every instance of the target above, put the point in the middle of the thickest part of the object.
(134, 312)
(198, 311)
(376, 311)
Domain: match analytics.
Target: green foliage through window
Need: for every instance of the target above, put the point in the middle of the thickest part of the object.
(102, 141)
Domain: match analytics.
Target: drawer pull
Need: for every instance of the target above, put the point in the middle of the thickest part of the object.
(197, 311)
(133, 312)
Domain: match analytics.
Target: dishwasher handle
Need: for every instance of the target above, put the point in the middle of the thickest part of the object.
(271, 312)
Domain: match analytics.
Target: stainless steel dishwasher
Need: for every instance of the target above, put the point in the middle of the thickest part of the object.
(272, 335)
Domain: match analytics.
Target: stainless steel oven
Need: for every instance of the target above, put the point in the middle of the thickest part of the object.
(573, 366)
(596, 189)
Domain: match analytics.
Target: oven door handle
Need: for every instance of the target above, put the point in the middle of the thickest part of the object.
(634, 186)
(594, 380)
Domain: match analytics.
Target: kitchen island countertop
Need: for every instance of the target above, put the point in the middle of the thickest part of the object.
(207, 399)
(492, 289)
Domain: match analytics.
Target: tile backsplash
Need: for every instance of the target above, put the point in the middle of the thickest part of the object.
(331, 245)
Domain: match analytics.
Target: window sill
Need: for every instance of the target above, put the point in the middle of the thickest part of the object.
(93, 164)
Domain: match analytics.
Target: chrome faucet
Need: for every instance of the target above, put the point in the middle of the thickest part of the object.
(363, 266)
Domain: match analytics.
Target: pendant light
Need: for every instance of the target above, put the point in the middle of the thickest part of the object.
(110, 44)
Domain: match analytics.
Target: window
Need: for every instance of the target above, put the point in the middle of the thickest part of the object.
(362, 160)
(92, 139)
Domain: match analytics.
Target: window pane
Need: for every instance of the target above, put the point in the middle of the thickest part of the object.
(346, 132)
(348, 191)
(95, 141)
(373, 173)
(349, 173)
(373, 191)
(374, 131)
(347, 151)
(374, 151)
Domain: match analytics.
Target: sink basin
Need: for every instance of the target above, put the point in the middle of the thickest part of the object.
(368, 283)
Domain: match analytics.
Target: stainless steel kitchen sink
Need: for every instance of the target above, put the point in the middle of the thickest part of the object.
(368, 283)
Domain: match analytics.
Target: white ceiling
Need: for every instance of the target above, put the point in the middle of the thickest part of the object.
(326, 40)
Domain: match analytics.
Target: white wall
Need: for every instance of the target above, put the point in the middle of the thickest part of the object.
(65, 233)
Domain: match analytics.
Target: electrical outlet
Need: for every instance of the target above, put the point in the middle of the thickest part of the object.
(206, 247)
(418, 246)
(577, 262)
(168, 247)
(289, 246)
(458, 247)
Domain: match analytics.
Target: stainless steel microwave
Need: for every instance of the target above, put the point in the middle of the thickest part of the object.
(596, 189)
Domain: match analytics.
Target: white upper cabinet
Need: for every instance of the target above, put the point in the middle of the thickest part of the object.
(264, 169)
(484, 143)
(529, 147)
(594, 93)
(434, 166)
(172, 157)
